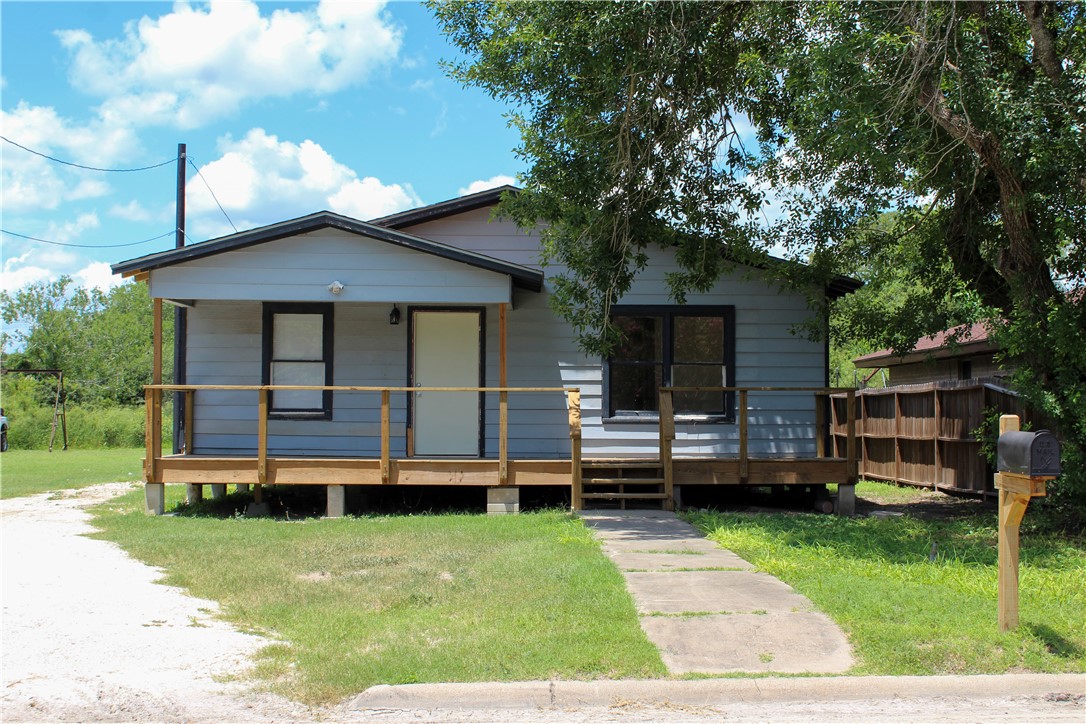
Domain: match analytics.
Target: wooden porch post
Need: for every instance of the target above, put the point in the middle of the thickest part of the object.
(190, 398)
(744, 465)
(262, 441)
(576, 491)
(503, 402)
(667, 434)
(154, 434)
(386, 444)
(154, 491)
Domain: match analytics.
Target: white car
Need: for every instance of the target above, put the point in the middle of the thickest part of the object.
(3, 431)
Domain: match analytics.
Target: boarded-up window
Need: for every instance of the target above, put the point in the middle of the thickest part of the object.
(671, 347)
(298, 351)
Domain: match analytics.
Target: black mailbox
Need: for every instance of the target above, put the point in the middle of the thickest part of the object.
(1035, 454)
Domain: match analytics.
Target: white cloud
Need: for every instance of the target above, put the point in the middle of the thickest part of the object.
(97, 275)
(31, 182)
(22, 270)
(132, 211)
(491, 183)
(69, 230)
(37, 264)
(157, 73)
(260, 180)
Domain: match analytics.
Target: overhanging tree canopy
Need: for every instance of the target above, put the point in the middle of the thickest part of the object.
(956, 129)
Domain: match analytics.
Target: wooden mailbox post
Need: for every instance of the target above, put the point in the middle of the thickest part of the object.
(1026, 461)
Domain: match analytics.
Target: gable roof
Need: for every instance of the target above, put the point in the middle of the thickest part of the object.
(441, 209)
(523, 277)
(838, 286)
(960, 341)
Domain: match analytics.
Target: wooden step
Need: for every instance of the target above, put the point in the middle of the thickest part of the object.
(623, 481)
(624, 496)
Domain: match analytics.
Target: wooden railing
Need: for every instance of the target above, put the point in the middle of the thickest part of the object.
(154, 395)
(821, 397)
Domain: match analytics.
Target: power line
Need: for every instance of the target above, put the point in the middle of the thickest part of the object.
(87, 246)
(88, 168)
(213, 196)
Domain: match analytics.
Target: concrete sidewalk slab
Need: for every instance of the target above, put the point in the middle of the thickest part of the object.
(751, 642)
(633, 559)
(714, 621)
(712, 592)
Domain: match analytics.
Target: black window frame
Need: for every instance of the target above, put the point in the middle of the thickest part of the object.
(668, 313)
(327, 311)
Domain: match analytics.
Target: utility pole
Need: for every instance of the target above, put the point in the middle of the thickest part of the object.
(180, 314)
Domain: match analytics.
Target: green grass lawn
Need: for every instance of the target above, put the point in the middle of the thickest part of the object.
(354, 602)
(908, 614)
(400, 599)
(26, 472)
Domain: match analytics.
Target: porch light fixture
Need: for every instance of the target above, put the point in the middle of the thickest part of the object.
(394, 315)
(335, 287)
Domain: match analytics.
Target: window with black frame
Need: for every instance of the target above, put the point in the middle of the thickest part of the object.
(298, 351)
(680, 346)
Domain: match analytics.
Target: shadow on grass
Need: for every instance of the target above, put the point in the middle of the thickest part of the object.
(299, 502)
(969, 540)
(1056, 644)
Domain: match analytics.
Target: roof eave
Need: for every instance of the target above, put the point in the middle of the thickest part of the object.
(523, 277)
(442, 209)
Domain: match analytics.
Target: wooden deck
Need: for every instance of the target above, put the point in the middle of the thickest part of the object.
(593, 479)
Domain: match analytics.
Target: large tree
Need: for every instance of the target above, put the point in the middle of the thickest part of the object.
(966, 120)
(101, 341)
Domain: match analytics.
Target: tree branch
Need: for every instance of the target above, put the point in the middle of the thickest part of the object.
(1044, 41)
(1021, 264)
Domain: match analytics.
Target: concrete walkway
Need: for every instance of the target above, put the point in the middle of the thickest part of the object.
(706, 609)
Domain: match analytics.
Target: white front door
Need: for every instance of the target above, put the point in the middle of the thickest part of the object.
(446, 354)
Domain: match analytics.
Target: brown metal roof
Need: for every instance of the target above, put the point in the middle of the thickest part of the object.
(960, 341)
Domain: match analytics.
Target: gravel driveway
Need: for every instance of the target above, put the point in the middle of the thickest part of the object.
(88, 637)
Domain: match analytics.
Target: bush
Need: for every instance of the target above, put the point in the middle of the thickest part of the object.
(89, 426)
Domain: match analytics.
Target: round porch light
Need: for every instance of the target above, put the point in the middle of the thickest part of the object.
(335, 287)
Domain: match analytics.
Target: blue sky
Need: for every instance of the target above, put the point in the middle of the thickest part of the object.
(286, 109)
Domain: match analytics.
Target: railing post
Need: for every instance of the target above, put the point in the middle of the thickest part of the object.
(667, 434)
(820, 424)
(386, 443)
(148, 436)
(503, 437)
(262, 438)
(744, 464)
(190, 400)
(850, 447)
(576, 489)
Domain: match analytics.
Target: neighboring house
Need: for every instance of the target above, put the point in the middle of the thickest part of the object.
(444, 296)
(959, 353)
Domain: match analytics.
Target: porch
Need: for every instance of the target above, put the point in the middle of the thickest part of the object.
(615, 480)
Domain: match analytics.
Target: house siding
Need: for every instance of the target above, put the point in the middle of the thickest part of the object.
(299, 269)
(224, 347)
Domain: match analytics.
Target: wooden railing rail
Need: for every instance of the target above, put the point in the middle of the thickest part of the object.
(154, 420)
(822, 398)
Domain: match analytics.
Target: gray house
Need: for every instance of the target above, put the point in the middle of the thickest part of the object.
(419, 349)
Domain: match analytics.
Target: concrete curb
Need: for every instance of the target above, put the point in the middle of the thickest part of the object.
(709, 692)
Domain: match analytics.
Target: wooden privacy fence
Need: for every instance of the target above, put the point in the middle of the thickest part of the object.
(926, 434)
